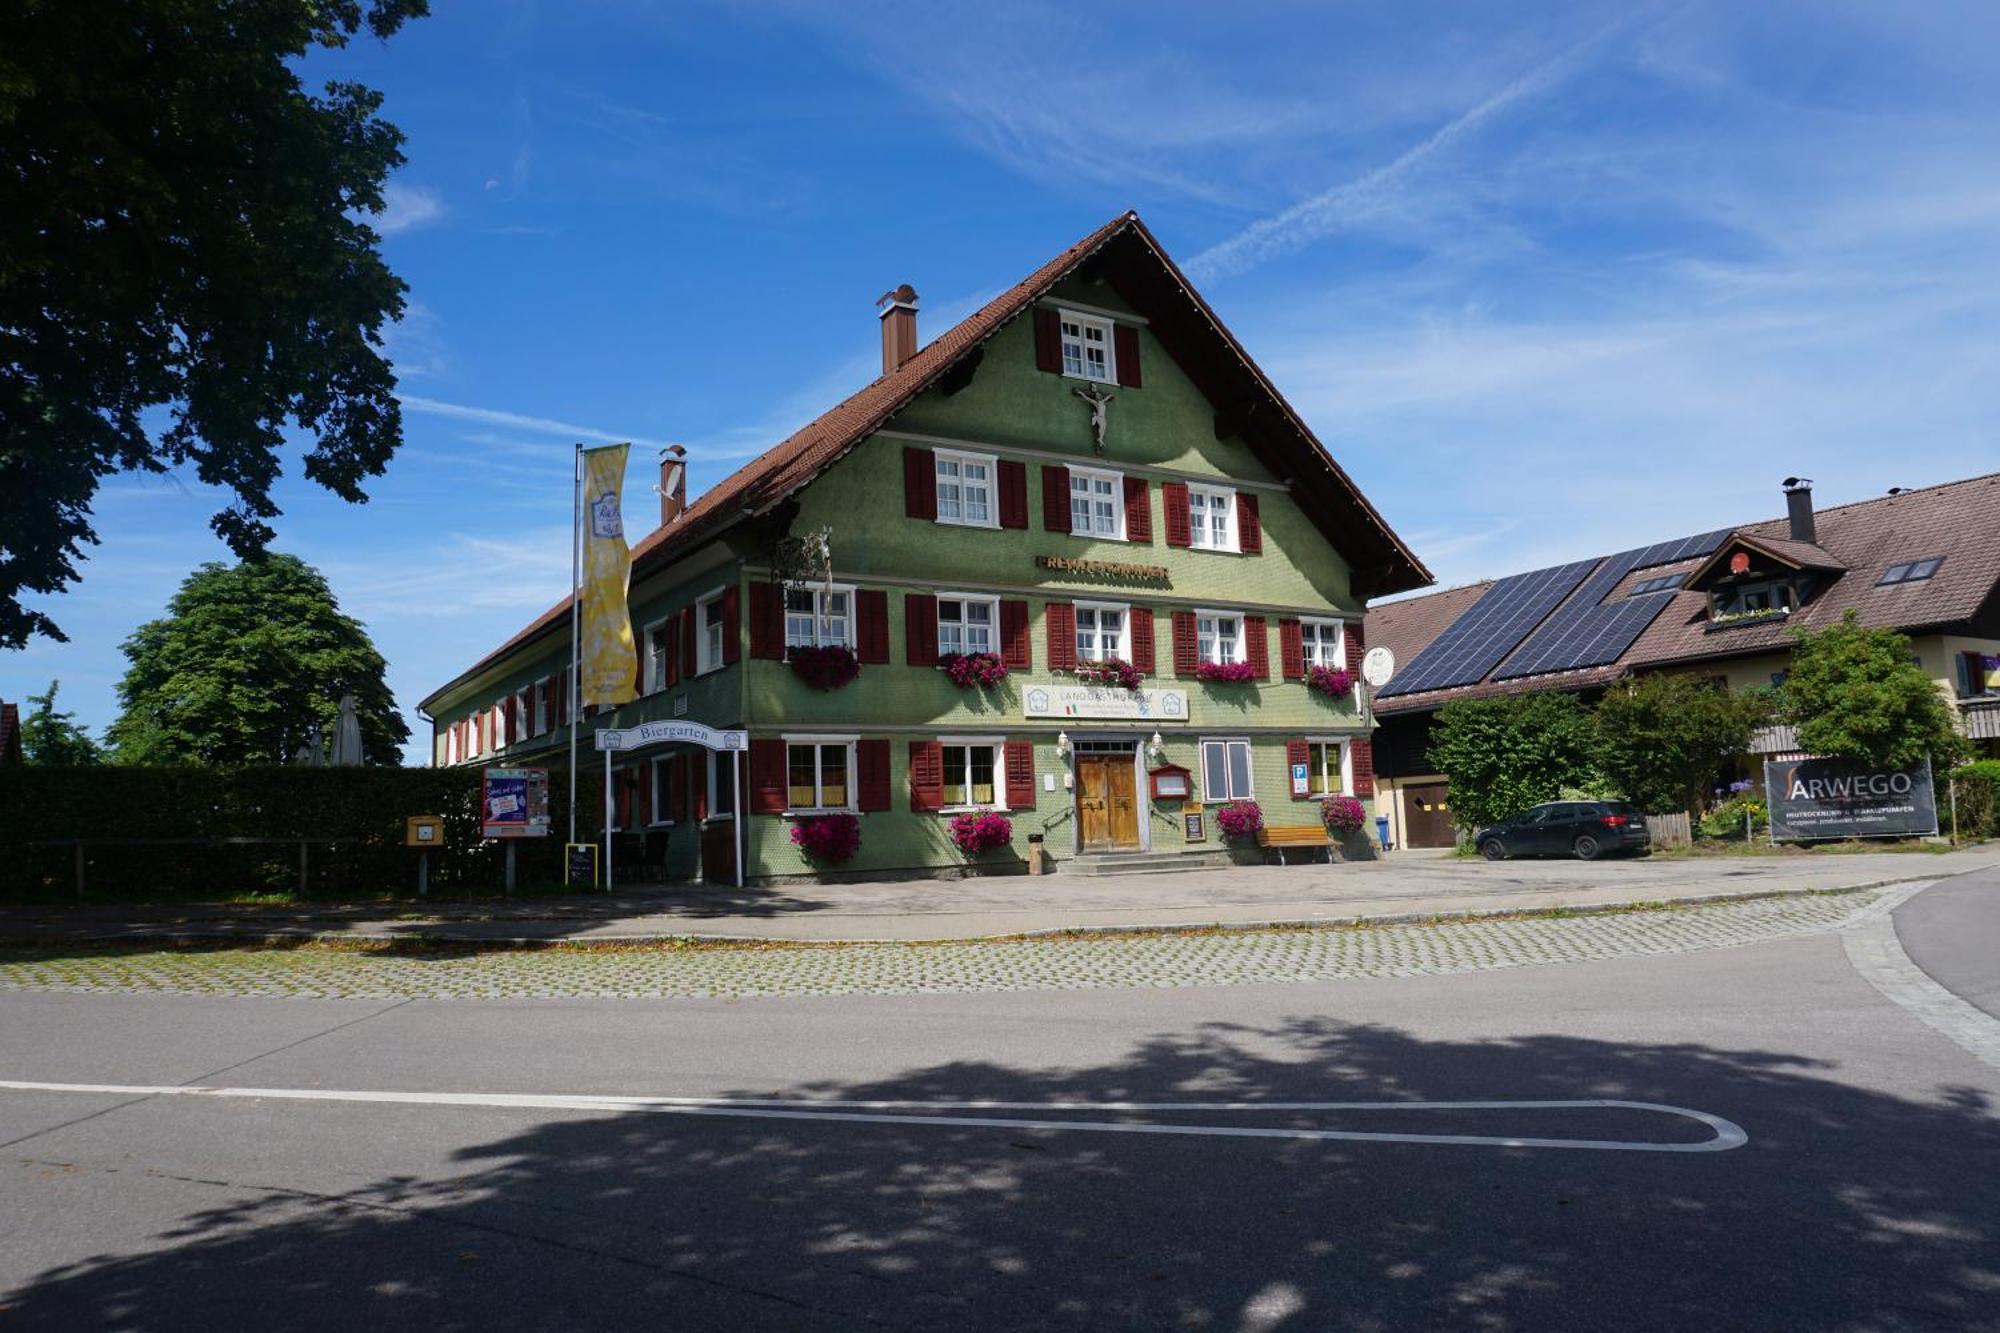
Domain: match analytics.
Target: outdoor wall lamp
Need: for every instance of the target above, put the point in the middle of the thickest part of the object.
(1156, 748)
(1062, 744)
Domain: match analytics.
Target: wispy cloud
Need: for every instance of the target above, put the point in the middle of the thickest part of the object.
(518, 421)
(408, 206)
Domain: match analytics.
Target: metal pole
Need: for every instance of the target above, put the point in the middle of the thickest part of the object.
(302, 868)
(608, 810)
(1951, 785)
(575, 684)
(424, 873)
(79, 867)
(736, 806)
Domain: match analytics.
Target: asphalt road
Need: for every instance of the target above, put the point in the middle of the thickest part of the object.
(1866, 1197)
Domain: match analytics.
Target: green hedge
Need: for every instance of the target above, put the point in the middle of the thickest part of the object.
(1978, 787)
(363, 808)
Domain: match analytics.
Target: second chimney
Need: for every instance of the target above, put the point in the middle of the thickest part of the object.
(673, 483)
(1799, 509)
(899, 326)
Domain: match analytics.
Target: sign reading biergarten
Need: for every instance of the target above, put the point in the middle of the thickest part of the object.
(1813, 799)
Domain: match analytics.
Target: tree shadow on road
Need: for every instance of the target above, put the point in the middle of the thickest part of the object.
(1850, 1208)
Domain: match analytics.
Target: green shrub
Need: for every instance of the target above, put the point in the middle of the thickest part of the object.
(1978, 797)
(1725, 822)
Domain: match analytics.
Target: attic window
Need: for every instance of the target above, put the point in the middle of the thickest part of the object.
(1086, 347)
(1914, 571)
(1658, 583)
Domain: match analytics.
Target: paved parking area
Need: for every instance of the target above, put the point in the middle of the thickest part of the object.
(1086, 963)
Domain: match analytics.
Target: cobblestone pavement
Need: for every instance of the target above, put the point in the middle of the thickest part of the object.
(1218, 959)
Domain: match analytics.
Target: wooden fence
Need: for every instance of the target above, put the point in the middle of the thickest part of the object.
(1670, 830)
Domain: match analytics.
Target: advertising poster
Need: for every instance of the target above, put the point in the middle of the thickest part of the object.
(514, 803)
(1813, 799)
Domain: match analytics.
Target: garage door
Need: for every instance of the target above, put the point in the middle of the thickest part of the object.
(1427, 811)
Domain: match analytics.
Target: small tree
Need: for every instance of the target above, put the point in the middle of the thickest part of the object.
(54, 739)
(247, 667)
(1858, 693)
(1662, 738)
(1505, 754)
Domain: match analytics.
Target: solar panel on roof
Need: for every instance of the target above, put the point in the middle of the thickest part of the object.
(1489, 629)
(1585, 631)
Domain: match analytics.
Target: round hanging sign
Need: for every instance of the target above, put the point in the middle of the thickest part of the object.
(1377, 666)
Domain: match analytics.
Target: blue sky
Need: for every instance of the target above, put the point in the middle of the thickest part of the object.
(1549, 280)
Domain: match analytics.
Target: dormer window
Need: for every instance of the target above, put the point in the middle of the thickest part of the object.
(1658, 583)
(1753, 601)
(1087, 347)
(1915, 571)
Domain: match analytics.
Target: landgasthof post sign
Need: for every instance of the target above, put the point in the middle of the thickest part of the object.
(1104, 701)
(514, 803)
(1812, 799)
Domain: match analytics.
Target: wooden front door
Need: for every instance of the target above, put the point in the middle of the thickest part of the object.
(1427, 811)
(1107, 803)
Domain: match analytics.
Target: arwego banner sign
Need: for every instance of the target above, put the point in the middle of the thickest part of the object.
(1844, 798)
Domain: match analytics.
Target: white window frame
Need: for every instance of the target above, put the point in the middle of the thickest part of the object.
(1242, 642)
(819, 741)
(1066, 316)
(1346, 744)
(524, 717)
(657, 789)
(706, 661)
(1097, 474)
(991, 463)
(656, 672)
(1311, 632)
(819, 592)
(721, 774)
(965, 599)
(1200, 530)
(1249, 768)
(1124, 610)
(999, 747)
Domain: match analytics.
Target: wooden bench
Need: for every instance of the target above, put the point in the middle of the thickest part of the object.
(1306, 835)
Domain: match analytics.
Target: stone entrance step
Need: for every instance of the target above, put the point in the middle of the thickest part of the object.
(1144, 863)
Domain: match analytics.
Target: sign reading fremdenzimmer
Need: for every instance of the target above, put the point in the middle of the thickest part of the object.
(1812, 799)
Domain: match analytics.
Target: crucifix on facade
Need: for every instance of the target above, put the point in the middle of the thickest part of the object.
(1099, 400)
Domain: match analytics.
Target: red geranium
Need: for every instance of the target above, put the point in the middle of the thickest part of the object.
(1229, 673)
(824, 668)
(828, 839)
(981, 832)
(1333, 682)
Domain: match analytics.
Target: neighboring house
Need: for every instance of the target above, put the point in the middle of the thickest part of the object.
(1722, 604)
(1089, 468)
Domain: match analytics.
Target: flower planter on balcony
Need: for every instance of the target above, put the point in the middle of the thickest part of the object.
(1226, 673)
(971, 671)
(1333, 682)
(1110, 671)
(826, 668)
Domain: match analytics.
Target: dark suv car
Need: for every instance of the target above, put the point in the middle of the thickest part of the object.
(1585, 829)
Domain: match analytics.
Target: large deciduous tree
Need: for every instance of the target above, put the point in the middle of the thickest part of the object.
(247, 668)
(184, 268)
(1505, 754)
(55, 740)
(1858, 693)
(1663, 739)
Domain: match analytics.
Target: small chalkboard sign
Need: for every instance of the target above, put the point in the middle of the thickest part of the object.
(1194, 825)
(580, 864)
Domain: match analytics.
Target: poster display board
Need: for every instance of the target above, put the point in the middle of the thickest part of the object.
(1194, 822)
(1814, 799)
(514, 803)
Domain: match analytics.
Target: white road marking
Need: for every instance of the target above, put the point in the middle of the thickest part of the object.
(1877, 954)
(1727, 1134)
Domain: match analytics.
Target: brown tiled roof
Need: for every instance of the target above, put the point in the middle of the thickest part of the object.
(1797, 554)
(798, 459)
(1407, 627)
(10, 733)
(1958, 521)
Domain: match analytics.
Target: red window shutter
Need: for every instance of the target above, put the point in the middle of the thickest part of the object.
(1174, 502)
(677, 787)
(1020, 762)
(1291, 651)
(1257, 646)
(1361, 757)
(1296, 753)
(871, 625)
(919, 483)
(1061, 618)
(1187, 647)
(1125, 350)
(1142, 640)
(1048, 340)
(767, 622)
(1249, 527)
(640, 685)
(508, 729)
(732, 626)
(926, 776)
(1351, 639)
(1016, 648)
(644, 814)
(687, 642)
(767, 777)
(920, 637)
(1055, 498)
(1138, 511)
(1013, 487)
(548, 714)
(698, 784)
(871, 763)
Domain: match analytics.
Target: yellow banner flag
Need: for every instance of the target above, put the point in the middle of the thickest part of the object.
(609, 665)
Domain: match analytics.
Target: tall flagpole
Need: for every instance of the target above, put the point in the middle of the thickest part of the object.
(575, 665)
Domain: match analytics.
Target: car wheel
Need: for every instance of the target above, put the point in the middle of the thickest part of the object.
(1587, 848)
(1492, 850)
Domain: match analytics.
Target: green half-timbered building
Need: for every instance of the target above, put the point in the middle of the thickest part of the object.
(1088, 479)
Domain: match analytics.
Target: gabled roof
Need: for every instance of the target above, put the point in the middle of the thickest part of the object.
(1958, 522)
(1127, 255)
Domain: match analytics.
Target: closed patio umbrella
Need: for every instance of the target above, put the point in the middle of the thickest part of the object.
(347, 751)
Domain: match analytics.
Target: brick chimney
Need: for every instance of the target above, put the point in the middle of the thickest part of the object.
(673, 483)
(1799, 509)
(899, 326)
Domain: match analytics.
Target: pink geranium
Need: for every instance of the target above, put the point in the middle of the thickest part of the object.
(824, 668)
(974, 669)
(982, 832)
(828, 839)
(1240, 819)
(1344, 816)
(1228, 673)
(1333, 682)
(1110, 671)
